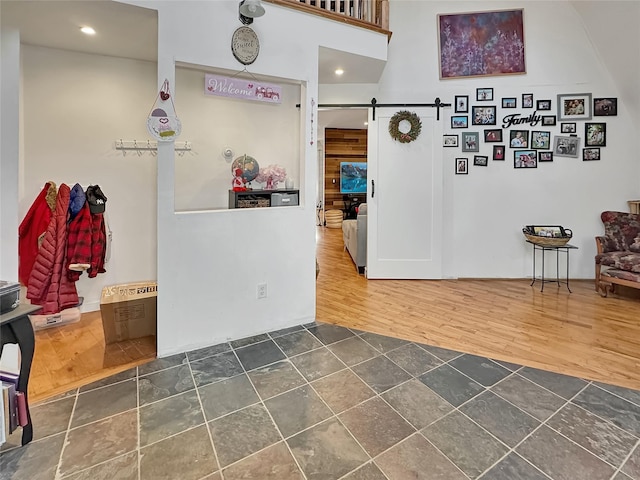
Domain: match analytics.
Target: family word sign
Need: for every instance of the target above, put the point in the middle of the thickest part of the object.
(240, 88)
(516, 119)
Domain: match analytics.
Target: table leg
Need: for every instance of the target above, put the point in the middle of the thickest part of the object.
(567, 252)
(23, 332)
(542, 288)
(558, 267)
(533, 279)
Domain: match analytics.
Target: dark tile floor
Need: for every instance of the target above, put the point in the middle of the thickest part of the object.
(324, 402)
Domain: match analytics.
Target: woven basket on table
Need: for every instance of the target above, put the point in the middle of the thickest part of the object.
(548, 241)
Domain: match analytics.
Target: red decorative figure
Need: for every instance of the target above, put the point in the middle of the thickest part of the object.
(238, 182)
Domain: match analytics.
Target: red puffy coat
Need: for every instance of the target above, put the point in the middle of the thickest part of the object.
(33, 226)
(48, 284)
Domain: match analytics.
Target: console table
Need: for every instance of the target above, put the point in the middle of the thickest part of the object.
(15, 327)
(263, 198)
(560, 249)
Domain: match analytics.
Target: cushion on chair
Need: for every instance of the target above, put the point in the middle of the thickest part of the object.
(621, 230)
(628, 261)
(621, 274)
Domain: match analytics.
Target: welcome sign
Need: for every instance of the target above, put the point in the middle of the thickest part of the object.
(234, 87)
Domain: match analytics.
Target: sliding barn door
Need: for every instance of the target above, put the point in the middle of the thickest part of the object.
(404, 197)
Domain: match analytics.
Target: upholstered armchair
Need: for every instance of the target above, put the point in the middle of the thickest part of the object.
(618, 256)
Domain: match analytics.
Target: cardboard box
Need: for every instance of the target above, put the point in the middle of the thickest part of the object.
(129, 311)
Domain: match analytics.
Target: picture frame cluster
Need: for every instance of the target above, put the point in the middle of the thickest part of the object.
(577, 135)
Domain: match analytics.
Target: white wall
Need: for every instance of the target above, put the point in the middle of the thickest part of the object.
(75, 107)
(9, 151)
(486, 209)
(210, 263)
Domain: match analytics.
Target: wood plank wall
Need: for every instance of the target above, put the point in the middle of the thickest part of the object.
(341, 145)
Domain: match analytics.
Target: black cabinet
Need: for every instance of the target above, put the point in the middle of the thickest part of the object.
(263, 198)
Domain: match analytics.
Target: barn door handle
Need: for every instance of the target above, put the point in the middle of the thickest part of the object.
(373, 188)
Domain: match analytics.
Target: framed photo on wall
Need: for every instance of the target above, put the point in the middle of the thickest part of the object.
(462, 166)
(483, 115)
(474, 44)
(576, 106)
(470, 142)
(592, 153)
(564, 146)
(519, 138)
(493, 135)
(509, 102)
(480, 160)
(543, 105)
(525, 159)
(498, 152)
(484, 94)
(568, 127)
(461, 104)
(540, 140)
(595, 134)
(460, 121)
(450, 140)
(545, 156)
(605, 107)
(548, 120)
(527, 100)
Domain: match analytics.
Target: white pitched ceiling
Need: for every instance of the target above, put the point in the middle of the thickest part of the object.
(613, 29)
(121, 30)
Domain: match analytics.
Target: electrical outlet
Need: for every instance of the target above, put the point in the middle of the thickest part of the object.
(261, 290)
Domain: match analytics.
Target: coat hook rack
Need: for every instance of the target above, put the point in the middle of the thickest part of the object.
(151, 146)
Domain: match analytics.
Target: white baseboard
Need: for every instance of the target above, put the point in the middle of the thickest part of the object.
(89, 307)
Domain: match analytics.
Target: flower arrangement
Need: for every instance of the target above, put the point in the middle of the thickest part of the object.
(272, 174)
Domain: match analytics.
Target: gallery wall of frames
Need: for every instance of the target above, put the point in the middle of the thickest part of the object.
(527, 130)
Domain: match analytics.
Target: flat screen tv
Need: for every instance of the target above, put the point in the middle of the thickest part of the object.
(353, 177)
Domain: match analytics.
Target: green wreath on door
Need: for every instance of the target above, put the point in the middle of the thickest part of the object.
(394, 126)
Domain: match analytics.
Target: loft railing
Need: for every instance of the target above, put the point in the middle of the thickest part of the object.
(370, 14)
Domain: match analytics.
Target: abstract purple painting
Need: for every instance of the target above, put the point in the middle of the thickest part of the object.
(481, 44)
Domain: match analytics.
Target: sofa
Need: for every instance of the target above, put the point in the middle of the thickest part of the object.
(354, 235)
(618, 252)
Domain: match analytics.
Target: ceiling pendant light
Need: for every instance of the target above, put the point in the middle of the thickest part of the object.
(250, 9)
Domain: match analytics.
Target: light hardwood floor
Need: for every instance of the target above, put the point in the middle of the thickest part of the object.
(72, 355)
(580, 334)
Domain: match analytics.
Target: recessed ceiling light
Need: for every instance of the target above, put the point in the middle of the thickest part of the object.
(339, 71)
(88, 30)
